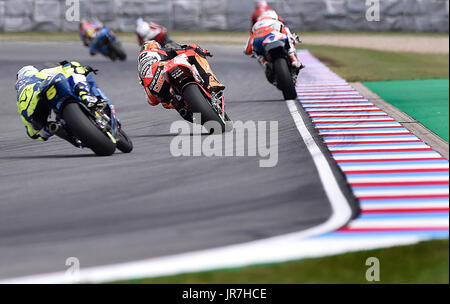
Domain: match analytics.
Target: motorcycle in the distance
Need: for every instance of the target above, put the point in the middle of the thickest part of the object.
(280, 71)
(95, 127)
(109, 45)
(188, 89)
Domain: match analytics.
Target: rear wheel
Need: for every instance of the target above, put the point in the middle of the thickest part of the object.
(86, 131)
(124, 143)
(199, 104)
(118, 52)
(284, 79)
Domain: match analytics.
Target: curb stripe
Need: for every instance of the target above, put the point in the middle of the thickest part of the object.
(396, 171)
(391, 160)
(402, 184)
(388, 229)
(388, 184)
(406, 210)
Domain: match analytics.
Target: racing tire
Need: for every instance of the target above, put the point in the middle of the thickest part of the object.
(86, 131)
(118, 52)
(284, 79)
(199, 104)
(124, 142)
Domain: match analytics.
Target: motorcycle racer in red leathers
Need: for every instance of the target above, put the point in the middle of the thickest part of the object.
(261, 7)
(153, 56)
(266, 24)
(146, 31)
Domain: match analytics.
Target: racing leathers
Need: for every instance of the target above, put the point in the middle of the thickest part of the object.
(259, 11)
(151, 63)
(262, 30)
(33, 109)
(91, 33)
(151, 31)
(88, 32)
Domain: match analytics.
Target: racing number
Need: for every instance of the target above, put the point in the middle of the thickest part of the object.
(51, 93)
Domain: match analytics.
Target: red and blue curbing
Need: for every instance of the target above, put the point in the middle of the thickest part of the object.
(401, 183)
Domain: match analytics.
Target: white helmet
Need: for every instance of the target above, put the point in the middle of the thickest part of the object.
(269, 14)
(142, 28)
(139, 21)
(26, 71)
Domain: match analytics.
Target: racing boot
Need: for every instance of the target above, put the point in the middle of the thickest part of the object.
(181, 109)
(296, 64)
(212, 84)
(186, 114)
(89, 100)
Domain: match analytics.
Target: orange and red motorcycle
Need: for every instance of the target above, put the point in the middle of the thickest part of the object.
(191, 93)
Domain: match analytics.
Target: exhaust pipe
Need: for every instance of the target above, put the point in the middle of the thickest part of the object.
(54, 127)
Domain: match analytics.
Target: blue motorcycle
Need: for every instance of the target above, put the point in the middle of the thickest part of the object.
(95, 127)
(108, 44)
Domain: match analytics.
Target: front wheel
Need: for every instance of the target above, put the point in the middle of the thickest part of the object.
(124, 142)
(86, 131)
(199, 104)
(284, 79)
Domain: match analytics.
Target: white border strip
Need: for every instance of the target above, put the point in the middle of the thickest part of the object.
(272, 250)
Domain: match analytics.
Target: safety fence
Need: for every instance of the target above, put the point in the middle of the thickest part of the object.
(358, 15)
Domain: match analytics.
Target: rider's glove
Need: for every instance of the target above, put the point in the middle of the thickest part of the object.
(90, 69)
(89, 100)
(207, 53)
(201, 51)
(296, 38)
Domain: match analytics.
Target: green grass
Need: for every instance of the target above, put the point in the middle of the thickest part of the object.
(426, 262)
(355, 64)
(424, 100)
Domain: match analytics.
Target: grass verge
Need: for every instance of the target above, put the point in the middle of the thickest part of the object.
(355, 64)
(424, 100)
(426, 262)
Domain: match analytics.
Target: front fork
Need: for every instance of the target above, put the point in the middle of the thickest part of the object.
(107, 123)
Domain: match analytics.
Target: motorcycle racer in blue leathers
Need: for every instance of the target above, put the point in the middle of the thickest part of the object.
(31, 82)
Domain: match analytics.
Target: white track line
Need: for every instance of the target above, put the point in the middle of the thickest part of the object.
(276, 249)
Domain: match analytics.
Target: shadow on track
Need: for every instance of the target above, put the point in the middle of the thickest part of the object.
(255, 101)
(47, 156)
(168, 135)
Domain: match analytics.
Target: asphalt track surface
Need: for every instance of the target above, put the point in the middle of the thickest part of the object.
(57, 201)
